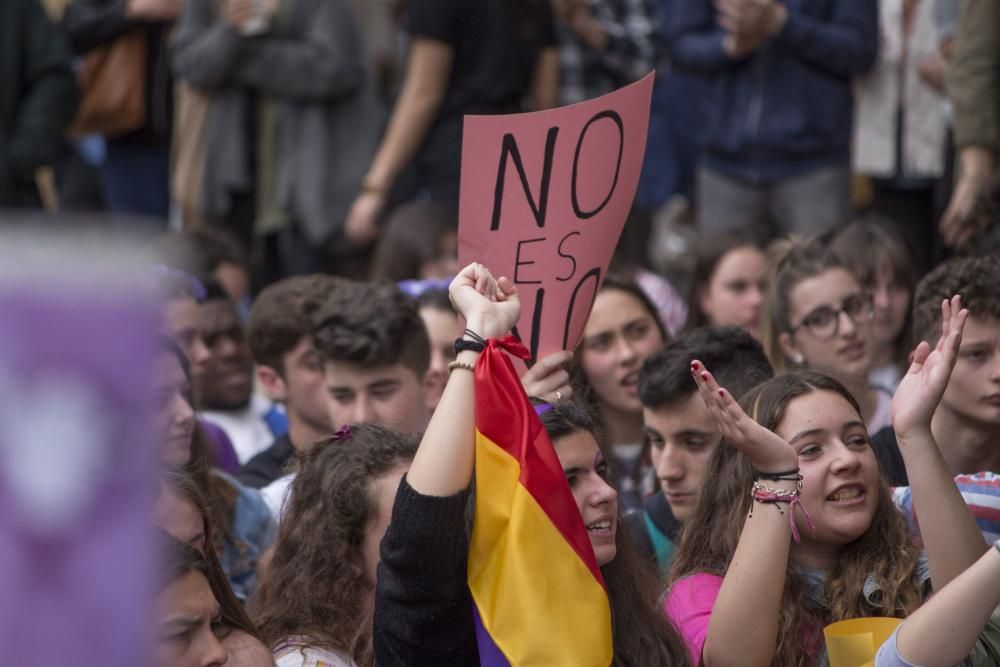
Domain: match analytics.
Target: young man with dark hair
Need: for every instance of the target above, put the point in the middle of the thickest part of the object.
(289, 369)
(375, 353)
(679, 428)
(226, 393)
(966, 424)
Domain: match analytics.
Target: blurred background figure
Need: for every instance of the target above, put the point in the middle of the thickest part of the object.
(293, 116)
(473, 57)
(132, 40)
(729, 282)
(973, 82)
(901, 124)
(777, 115)
(38, 97)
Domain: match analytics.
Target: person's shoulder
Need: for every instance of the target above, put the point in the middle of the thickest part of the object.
(275, 494)
(246, 651)
(250, 506)
(691, 593)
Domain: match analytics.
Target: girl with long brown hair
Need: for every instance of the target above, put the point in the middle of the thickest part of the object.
(182, 511)
(755, 585)
(314, 601)
(621, 332)
(242, 523)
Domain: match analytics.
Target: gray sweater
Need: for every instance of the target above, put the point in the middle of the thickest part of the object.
(316, 64)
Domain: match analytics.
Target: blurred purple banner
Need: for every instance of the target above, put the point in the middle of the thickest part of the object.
(76, 475)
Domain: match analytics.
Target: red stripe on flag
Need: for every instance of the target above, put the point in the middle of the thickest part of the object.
(505, 415)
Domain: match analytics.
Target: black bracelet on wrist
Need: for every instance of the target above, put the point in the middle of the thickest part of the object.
(461, 345)
(474, 336)
(786, 475)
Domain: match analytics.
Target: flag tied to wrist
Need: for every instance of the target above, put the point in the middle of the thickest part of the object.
(539, 595)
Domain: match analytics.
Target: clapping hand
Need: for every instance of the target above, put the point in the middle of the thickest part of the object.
(767, 451)
(920, 390)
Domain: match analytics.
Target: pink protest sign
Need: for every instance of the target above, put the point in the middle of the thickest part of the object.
(544, 199)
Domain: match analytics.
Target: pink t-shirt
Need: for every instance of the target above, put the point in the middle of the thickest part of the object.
(689, 607)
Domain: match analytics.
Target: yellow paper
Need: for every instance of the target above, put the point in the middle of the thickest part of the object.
(854, 643)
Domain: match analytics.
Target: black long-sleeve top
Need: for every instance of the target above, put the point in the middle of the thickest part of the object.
(423, 607)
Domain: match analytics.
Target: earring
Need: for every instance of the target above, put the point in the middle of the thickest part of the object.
(798, 360)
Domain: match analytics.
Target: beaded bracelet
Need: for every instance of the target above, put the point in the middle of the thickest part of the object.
(768, 496)
(460, 364)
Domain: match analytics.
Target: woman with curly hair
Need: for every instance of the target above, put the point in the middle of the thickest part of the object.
(755, 585)
(314, 601)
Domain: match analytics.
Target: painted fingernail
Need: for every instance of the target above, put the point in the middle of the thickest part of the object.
(722, 392)
(704, 376)
(695, 365)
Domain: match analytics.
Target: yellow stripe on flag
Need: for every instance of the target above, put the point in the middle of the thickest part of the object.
(538, 600)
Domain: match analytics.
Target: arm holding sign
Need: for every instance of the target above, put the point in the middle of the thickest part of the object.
(428, 70)
(548, 379)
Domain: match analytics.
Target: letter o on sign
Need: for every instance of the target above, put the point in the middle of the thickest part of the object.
(616, 119)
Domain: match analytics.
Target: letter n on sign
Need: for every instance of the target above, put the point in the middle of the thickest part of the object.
(544, 199)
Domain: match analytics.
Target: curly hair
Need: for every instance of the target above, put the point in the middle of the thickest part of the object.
(372, 325)
(313, 586)
(285, 313)
(975, 278)
(640, 633)
(884, 552)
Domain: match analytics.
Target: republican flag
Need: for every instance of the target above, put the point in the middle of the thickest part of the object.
(539, 594)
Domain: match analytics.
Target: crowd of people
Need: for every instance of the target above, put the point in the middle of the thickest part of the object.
(802, 312)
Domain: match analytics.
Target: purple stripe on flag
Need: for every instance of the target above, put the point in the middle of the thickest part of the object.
(489, 654)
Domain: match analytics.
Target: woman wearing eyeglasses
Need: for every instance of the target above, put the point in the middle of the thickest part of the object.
(820, 318)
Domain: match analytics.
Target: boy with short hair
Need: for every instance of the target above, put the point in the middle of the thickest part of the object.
(679, 428)
(376, 356)
(966, 424)
(375, 353)
(289, 369)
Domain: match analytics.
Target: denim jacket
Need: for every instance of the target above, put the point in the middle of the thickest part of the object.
(253, 530)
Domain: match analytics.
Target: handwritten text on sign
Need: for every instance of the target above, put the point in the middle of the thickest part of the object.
(544, 199)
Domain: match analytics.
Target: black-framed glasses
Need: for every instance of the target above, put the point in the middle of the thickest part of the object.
(824, 322)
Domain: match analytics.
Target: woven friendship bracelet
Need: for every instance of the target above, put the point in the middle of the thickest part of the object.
(768, 496)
